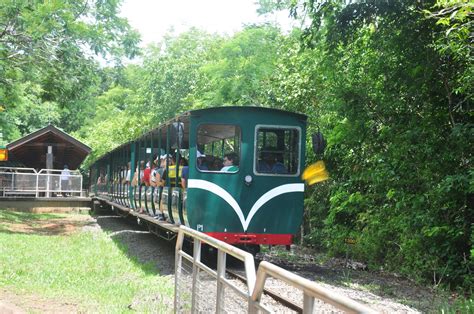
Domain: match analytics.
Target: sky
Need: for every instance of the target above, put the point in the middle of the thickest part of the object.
(153, 18)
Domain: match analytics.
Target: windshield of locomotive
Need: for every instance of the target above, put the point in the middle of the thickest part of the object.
(277, 151)
(218, 148)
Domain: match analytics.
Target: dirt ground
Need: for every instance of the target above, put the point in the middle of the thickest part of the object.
(385, 292)
(53, 226)
(13, 303)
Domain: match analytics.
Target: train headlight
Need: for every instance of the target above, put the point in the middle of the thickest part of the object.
(248, 179)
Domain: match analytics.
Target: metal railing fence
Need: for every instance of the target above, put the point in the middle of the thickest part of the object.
(200, 289)
(311, 290)
(16, 182)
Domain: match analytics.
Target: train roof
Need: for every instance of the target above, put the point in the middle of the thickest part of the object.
(184, 117)
(245, 108)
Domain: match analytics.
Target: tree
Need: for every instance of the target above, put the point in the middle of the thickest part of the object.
(172, 70)
(239, 69)
(398, 143)
(53, 44)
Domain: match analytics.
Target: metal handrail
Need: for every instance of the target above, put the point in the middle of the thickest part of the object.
(27, 181)
(255, 280)
(42, 171)
(223, 249)
(18, 168)
(310, 289)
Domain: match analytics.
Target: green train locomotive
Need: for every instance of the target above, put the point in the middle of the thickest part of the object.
(236, 175)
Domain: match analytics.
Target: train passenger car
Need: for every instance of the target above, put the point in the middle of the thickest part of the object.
(235, 173)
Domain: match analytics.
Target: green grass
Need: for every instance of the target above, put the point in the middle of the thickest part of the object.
(86, 268)
(461, 305)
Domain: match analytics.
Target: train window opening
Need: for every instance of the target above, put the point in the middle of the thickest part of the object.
(277, 151)
(218, 148)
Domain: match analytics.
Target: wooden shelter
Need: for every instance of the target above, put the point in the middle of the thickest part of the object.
(48, 147)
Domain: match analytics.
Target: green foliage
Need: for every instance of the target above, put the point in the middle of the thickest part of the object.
(239, 69)
(49, 47)
(399, 131)
(173, 72)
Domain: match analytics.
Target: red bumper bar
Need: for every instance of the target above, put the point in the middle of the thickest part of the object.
(252, 238)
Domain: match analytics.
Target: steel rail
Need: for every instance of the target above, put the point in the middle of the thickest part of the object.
(278, 298)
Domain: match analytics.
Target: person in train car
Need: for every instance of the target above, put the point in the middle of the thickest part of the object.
(278, 166)
(146, 174)
(142, 169)
(264, 163)
(155, 179)
(172, 171)
(135, 176)
(161, 168)
(126, 174)
(217, 164)
(184, 172)
(201, 161)
(101, 180)
(231, 162)
(270, 162)
(158, 177)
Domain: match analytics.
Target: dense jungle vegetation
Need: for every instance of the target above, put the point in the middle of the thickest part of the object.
(390, 84)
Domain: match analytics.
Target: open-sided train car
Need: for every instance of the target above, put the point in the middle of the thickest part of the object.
(257, 200)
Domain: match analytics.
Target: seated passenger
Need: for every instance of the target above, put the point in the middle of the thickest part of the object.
(155, 167)
(265, 162)
(270, 163)
(171, 171)
(184, 172)
(231, 163)
(216, 164)
(160, 179)
(201, 161)
(146, 174)
(279, 168)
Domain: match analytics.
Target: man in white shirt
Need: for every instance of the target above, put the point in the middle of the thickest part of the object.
(65, 174)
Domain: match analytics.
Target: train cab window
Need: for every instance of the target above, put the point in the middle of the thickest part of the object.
(218, 148)
(277, 150)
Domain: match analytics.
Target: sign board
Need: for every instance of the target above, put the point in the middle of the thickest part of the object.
(3, 154)
(350, 241)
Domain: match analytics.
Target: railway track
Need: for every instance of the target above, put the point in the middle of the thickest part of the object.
(285, 302)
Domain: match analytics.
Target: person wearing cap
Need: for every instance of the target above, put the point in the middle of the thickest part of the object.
(155, 168)
(161, 170)
(201, 161)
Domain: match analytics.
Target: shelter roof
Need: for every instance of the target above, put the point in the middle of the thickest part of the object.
(31, 149)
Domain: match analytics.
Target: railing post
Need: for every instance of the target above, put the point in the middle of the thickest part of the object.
(178, 262)
(131, 195)
(308, 304)
(221, 261)
(197, 258)
(80, 187)
(37, 184)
